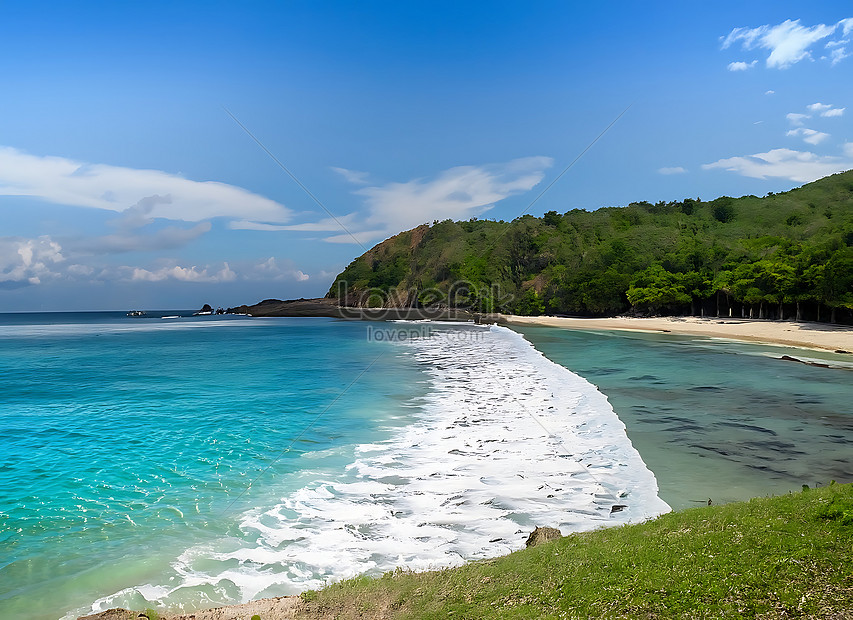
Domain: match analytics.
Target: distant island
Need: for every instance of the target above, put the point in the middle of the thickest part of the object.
(783, 256)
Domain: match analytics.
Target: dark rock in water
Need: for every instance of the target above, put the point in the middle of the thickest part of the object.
(542, 535)
(842, 351)
(206, 308)
(617, 508)
(788, 358)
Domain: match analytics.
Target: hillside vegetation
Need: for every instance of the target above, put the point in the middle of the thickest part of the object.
(780, 256)
(782, 557)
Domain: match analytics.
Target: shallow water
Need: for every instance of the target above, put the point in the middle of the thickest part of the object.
(716, 419)
(127, 440)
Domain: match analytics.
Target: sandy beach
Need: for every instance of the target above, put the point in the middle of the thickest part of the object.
(806, 335)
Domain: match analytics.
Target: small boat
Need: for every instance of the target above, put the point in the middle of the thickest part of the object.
(136, 313)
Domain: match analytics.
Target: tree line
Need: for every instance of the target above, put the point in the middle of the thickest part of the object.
(787, 255)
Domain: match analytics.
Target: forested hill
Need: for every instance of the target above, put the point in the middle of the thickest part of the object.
(769, 257)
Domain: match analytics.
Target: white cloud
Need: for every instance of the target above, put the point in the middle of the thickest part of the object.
(799, 166)
(458, 193)
(797, 119)
(352, 176)
(741, 66)
(140, 194)
(818, 107)
(788, 42)
(672, 170)
(25, 262)
(838, 54)
(269, 269)
(769, 92)
(809, 135)
(183, 274)
(821, 109)
(362, 237)
(848, 149)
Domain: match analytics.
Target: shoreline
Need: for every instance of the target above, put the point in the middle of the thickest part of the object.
(816, 336)
(806, 335)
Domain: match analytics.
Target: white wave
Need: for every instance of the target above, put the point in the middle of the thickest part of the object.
(506, 441)
(57, 330)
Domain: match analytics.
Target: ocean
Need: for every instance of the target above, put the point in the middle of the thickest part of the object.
(197, 461)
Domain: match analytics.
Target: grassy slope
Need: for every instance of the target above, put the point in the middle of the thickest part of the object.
(788, 556)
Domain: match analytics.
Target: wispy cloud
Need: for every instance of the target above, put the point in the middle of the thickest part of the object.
(362, 237)
(168, 238)
(808, 135)
(325, 225)
(788, 42)
(457, 193)
(672, 170)
(352, 176)
(838, 54)
(798, 166)
(140, 194)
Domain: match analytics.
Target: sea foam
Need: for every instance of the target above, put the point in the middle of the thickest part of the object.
(505, 440)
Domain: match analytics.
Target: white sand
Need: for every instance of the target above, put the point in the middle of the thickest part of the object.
(807, 335)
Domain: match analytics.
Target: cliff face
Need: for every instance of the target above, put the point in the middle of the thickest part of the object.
(389, 263)
(767, 257)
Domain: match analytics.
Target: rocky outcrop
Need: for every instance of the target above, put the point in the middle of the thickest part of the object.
(291, 307)
(330, 307)
(542, 535)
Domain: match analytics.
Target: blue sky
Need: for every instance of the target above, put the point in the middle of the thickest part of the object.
(126, 183)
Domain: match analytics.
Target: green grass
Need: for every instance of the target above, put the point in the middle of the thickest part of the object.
(781, 557)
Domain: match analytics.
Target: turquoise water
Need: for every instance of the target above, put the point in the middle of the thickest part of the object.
(177, 461)
(716, 419)
(127, 440)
